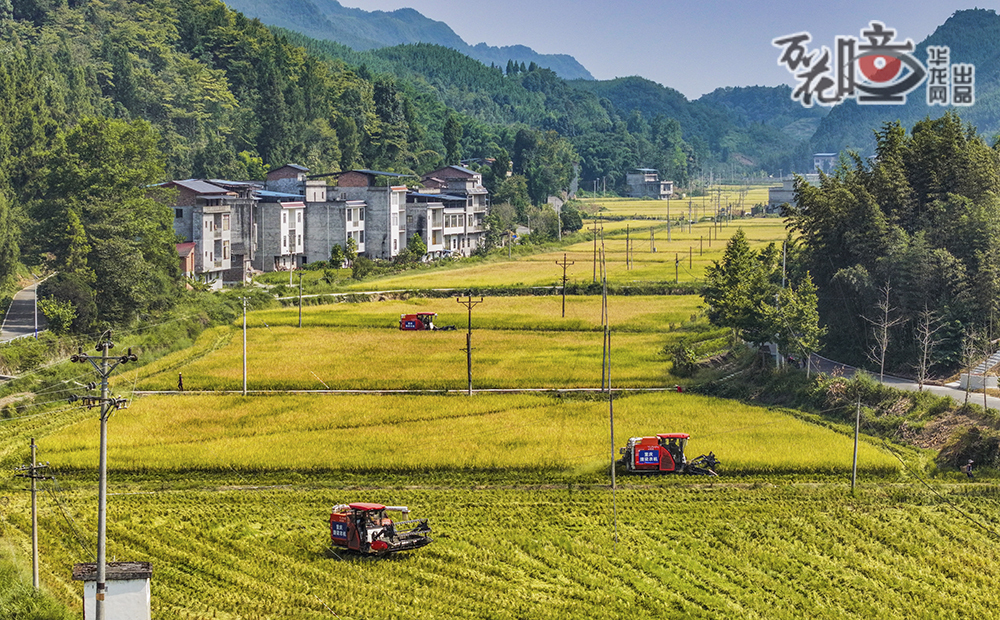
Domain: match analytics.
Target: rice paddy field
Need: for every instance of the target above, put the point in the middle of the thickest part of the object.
(229, 495)
(634, 250)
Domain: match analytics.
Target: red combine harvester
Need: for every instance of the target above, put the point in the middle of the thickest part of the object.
(664, 454)
(421, 321)
(365, 528)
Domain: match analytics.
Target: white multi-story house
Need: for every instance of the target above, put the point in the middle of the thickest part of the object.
(203, 216)
(466, 204)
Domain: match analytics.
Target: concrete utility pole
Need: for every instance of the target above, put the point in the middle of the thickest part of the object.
(244, 345)
(469, 303)
(300, 299)
(104, 369)
(564, 265)
(595, 230)
(32, 472)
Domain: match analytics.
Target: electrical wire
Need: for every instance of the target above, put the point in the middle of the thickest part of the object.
(967, 516)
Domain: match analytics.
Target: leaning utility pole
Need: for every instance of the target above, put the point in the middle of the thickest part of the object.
(564, 265)
(469, 303)
(104, 369)
(32, 472)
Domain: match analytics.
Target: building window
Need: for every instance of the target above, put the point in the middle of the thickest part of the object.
(299, 244)
(362, 212)
(395, 220)
(284, 217)
(225, 250)
(284, 242)
(393, 245)
(298, 216)
(361, 237)
(225, 221)
(178, 214)
(409, 220)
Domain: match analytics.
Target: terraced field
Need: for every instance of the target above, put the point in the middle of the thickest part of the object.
(229, 495)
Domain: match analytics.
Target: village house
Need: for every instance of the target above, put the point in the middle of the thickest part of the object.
(294, 218)
(203, 216)
(465, 205)
(646, 183)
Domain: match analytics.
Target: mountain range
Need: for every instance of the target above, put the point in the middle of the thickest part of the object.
(328, 20)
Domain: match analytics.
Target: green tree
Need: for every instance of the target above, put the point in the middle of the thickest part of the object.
(337, 256)
(795, 317)
(416, 247)
(351, 250)
(739, 292)
(59, 314)
(10, 230)
(452, 138)
(106, 172)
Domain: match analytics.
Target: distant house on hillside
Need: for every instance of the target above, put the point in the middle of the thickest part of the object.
(785, 193)
(646, 183)
(825, 162)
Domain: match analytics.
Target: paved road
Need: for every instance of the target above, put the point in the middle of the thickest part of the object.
(821, 364)
(20, 319)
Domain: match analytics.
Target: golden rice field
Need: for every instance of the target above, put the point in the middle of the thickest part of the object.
(394, 433)
(518, 342)
(683, 258)
(739, 198)
(239, 550)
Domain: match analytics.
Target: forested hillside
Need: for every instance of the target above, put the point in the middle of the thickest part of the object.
(328, 20)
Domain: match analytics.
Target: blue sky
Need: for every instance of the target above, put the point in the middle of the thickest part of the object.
(694, 47)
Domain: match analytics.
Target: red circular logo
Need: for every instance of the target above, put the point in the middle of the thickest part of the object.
(879, 67)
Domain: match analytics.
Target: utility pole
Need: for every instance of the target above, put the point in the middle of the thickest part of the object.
(104, 368)
(32, 472)
(677, 267)
(595, 250)
(669, 239)
(564, 265)
(244, 346)
(300, 299)
(857, 430)
(469, 303)
(628, 263)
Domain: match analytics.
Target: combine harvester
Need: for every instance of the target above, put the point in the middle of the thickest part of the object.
(422, 321)
(664, 454)
(364, 528)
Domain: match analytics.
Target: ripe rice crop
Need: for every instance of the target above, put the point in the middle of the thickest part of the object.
(520, 342)
(236, 550)
(648, 266)
(425, 433)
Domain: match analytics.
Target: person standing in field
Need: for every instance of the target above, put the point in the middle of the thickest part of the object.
(967, 468)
